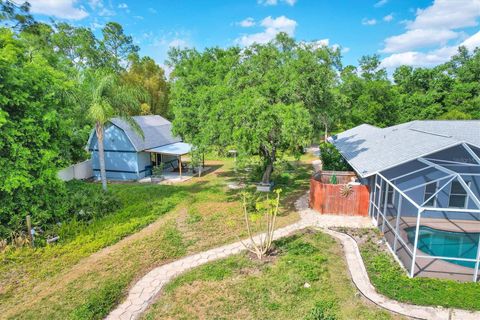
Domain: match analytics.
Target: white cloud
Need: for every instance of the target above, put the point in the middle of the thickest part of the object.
(268, 2)
(447, 14)
(418, 38)
(152, 10)
(322, 42)
(246, 23)
(101, 10)
(123, 6)
(380, 3)
(272, 26)
(388, 18)
(105, 12)
(431, 58)
(178, 43)
(435, 25)
(369, 22)
(63, 9)
(95, 3)
(138, 17)
(275, 2)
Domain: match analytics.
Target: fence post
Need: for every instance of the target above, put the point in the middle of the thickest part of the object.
(29, 230)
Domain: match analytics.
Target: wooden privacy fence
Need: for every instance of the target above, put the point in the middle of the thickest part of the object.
(327, 198)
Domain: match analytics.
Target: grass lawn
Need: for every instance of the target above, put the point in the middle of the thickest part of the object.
(90, 269)
(392, 281)
(306, 279)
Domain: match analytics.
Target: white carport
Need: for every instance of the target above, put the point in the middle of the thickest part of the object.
(177, 149)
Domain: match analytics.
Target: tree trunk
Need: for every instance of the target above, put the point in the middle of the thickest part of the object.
(326, 131)
(270, 157)
(101, 155)
(267, 173)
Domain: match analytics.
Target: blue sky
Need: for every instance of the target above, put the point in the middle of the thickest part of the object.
(418, 33)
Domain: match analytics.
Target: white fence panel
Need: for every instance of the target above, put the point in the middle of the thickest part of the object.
(82, 170)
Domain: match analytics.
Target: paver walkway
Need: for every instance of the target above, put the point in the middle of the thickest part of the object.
(143, 293)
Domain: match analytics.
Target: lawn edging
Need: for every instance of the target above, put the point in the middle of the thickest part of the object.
(361, 280)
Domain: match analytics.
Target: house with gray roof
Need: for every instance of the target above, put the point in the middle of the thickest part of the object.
(424, 182)
(131, 155)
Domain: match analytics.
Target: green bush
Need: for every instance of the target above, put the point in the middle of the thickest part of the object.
(332, 159)
(88, 201)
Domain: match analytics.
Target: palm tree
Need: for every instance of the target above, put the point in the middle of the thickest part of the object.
(105, 97)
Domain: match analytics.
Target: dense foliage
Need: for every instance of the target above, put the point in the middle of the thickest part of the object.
(45, 96)
(33, 126)
(332, 159)
(265, 100)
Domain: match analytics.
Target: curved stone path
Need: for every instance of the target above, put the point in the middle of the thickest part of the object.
(360, 278)
(144, 292)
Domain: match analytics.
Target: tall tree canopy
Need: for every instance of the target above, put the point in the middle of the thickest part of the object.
(34, 126)
(254, 99)
(145, 73)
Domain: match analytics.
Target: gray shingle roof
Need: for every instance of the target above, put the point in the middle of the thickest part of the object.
(157, 132)
(369, 149)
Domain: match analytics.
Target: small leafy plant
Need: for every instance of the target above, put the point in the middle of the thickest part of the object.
(157, 171)
(264, 209)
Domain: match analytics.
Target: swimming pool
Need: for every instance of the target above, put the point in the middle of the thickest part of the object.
(446, 244)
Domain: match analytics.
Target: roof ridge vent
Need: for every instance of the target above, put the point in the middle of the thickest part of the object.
(432, 133)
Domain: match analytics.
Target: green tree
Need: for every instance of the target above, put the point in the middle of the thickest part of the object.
(15, 16)
(253, 99)
(116, 47)
(33, 133)
(78, 44)
(144, 72)
(368, 95)
(105, 97)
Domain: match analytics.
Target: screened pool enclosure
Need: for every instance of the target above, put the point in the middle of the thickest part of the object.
(429, 212)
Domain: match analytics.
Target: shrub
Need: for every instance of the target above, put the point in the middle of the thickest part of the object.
(87, 201)
(332, 159)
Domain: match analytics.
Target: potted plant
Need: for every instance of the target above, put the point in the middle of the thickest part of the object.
(157, 173)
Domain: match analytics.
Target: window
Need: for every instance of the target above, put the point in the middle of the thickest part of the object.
(430, 190)
(458, 196)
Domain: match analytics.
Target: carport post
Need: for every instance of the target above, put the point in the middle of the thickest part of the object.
(180, 165)
(417, 229)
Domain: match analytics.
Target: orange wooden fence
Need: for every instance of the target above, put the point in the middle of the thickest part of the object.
(327, 199)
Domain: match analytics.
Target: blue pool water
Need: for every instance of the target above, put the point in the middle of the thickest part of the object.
(446, 244)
